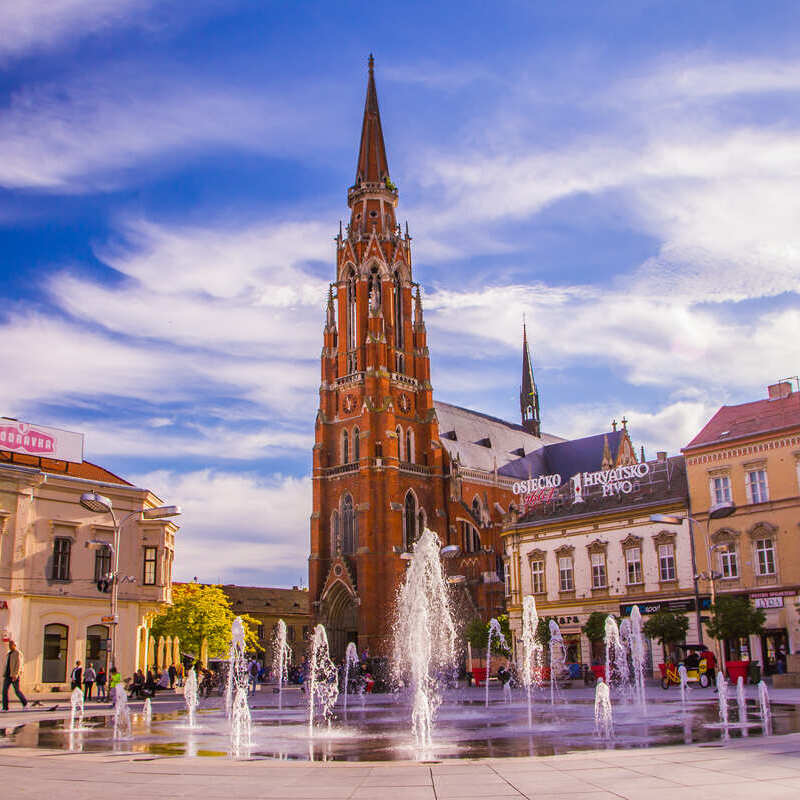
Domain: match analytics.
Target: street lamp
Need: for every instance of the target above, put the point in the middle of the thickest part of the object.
(717, 511)
(100, 504)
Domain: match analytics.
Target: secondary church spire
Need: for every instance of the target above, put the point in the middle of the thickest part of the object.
(529, 394)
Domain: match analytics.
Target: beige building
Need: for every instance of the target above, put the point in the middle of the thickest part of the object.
(592, 547)
(749, 455)
(50, 566)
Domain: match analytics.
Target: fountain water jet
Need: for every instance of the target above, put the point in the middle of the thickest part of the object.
(766, 711)
(76, 709)
(558, 658)
(350, 658)
(323, 684)
(241, 724)
(122, 714)
(190, 695)
(494, 630)
(636, 641)
(237, 664)
(617, 675)
(147, 711)
(722, 689)
(281, 657)
(425, 635)
(603, 717)
(684, 678)
(531, 650)
(740, 699)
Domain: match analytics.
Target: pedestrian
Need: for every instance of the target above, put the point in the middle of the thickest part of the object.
(180, 672)
(100, 682)
(172, 674)
(11, 675)
(114, 681)
(253, 676)
(711, 667)
(76, 676)
(89, 677)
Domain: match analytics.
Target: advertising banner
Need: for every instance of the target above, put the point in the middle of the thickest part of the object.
(41, 441)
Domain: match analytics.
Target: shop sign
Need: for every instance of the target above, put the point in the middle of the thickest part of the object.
(613, 481)
(537, 490)
(569, 619)
(676, 606)
(768, 602)
(776, 593)
(110, 620)
(40, 440)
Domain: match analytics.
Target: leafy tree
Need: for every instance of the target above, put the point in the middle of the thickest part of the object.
(735, 618)
(667, 627)
(543, 632)
(595, 627)
(477, 634)
(202, 612)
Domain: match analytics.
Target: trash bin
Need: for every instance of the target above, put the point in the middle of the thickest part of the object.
(754, 672)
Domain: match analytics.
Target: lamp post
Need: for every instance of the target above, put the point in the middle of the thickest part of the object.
(99, 504)
(717, 511)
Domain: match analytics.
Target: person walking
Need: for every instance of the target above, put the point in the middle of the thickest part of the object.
(100, 682)
(114, 685)
(89, 677)
(172, 674)
(76, 676)
(179, 672)
(253, 676)
(11, 675)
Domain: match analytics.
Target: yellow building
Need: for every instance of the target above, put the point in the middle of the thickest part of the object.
(749, 455)
(593, 547)
(51, 559)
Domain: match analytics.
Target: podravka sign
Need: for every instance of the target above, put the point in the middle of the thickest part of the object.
(537, 490)
(40, 440)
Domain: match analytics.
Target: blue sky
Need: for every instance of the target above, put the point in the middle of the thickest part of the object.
(625, 174)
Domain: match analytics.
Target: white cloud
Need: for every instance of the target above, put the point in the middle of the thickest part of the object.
(246, 521)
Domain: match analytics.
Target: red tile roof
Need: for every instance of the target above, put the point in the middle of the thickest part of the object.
(85, 469)
(749, 419)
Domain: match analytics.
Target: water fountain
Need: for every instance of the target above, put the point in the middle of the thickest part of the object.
(765, 710)
(684, 678)
(558, 658)
(350, 659)
(237, 664)
(190, 696)
(741, 701)
(76, 709)
(281, 657)
(322, 681)
(603, 717)
(497, 633)
(722, 690)
(636, 641)
(617, 674)
(425, 635)
(147, 711)
(531, 650)
(122, 714)
(241, 724)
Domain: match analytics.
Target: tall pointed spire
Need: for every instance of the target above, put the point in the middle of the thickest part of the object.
(372, 164)
(528, 393)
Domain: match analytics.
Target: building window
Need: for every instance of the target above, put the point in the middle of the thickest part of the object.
(290, 634)
(565, 574)
(470, 537)
(345, 448)
(398, 432)
(102, 563)
(633, 562)
(720, 489)
(334, 532)
(757, 491)
(356, 445)
(349, 527)
(598, 571)
(729, 562)
(54, 653)
(150, 554)
(410, 446)
(61, 553)
(398, 322)
(537, 577)
(666, 562)
(352, 362)
(765, 555)
(96, 645)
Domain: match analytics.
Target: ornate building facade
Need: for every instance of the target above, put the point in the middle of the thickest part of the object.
(388, 461)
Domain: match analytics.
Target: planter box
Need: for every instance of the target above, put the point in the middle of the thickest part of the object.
(735, 669)
(479, 675)
(599, 670)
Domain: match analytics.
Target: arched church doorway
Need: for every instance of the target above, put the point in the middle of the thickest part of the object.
(342, 619)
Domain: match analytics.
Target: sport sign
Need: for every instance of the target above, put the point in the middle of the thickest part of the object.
(39, 440)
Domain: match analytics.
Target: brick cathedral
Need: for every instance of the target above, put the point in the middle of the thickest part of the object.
(388, 460)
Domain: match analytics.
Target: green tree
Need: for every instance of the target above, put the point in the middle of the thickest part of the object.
(543, 632)
(595, 627)
(202, 612)
(477, 634)
(735, 618)
(666, 627)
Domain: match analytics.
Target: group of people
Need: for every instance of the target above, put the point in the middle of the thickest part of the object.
(87, 678)
(146, 685)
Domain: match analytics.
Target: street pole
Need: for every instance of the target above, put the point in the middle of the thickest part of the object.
(695, 582)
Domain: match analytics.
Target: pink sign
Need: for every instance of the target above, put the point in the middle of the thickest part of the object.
(40, 440)
(533, 499)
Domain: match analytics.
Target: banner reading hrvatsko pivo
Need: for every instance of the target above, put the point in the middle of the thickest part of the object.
(41, 441)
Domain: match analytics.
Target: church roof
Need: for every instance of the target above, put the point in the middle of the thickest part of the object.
(373, 166)
(481, 441)
(84, 469)
(566, 458)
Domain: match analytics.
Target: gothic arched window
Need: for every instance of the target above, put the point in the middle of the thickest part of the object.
(470, 537)
(356, 445)
(352, 365)
(375, 297)
(420, 522)
(477, 508)
(334, 532)
(398, 432)
(410, 521)
(398, 322)
(345, 448)
(410, 446)
(348, 526)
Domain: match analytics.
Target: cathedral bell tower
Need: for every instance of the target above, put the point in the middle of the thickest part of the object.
(378, 475)
(528, 393)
